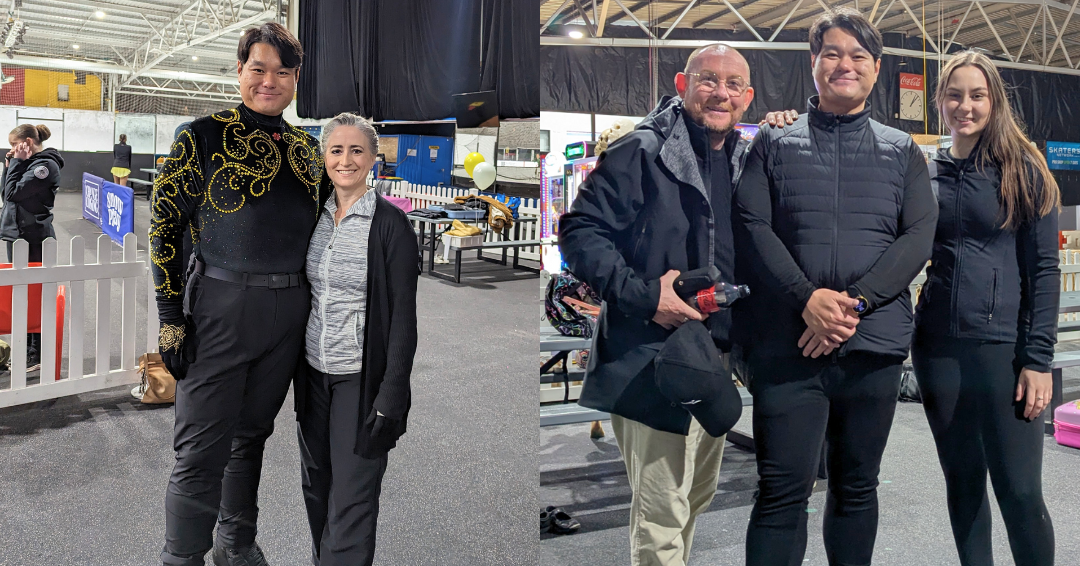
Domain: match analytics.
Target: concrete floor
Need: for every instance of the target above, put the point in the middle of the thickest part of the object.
(588, 479)
(82, 479)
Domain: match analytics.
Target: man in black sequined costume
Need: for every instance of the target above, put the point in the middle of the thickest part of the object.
(249, 186)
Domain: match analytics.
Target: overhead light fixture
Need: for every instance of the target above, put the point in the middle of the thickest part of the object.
(576, 34)
(13, 34)
(194, 57)
(99, 14)
(74, 45)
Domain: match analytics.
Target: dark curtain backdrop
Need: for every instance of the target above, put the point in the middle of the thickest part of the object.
(403, 59)
(614, 80)
(511, 48)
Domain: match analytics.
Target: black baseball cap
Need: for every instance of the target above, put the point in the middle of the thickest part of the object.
(689, 372)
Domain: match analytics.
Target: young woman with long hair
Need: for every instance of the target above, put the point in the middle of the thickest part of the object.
(986, 322)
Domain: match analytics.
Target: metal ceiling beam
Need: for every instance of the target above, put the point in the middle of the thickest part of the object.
(112, 68)
(600, 21)
(630, 12)
(675, 24)
(182, 32)
(735, 11)
(585, 16)
(1064, 26)
(633, 8)
(775, 46)
(993, 29)
(780, 28)
(554, 15)
(721, 13)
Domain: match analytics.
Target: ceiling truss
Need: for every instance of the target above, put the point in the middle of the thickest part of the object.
(1041, 35)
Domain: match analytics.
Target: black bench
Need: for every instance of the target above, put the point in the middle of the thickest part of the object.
(503, 245)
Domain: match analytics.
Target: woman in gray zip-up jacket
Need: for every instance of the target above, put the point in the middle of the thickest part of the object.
(353, 397)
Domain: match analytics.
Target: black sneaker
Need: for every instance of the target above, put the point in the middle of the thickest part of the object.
(250, 556)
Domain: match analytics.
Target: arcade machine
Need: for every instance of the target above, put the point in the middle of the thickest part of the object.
(560, 180)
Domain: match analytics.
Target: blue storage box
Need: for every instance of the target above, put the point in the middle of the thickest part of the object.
(465, 214)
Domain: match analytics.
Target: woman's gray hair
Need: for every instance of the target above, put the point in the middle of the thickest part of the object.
(355, 120)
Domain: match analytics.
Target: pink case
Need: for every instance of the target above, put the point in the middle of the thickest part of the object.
(1067, 424)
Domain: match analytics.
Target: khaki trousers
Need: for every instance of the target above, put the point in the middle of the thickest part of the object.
(673, 478)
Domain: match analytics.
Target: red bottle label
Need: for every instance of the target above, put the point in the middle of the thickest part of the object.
(706, 301)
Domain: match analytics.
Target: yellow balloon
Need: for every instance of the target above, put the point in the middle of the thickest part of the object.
(471, 160)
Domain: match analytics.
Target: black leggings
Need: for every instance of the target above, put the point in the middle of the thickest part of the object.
(968, 387)
(799, 403)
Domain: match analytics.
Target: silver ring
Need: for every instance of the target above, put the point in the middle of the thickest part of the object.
(686, 318)
(1038, 398)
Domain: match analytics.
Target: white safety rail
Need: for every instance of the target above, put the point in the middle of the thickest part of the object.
(423, 196)
(75, 275)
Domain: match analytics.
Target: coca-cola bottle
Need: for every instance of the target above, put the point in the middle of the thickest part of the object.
(719, 296)
(703, 290)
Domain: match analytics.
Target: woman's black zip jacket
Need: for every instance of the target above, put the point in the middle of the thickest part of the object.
(985, 282)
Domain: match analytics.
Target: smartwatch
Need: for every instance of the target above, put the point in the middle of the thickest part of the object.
(860, 308)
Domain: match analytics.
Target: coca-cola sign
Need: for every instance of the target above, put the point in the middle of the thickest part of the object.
(911, 81)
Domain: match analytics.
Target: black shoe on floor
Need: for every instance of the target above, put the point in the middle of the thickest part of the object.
(33, 362)
(250, 556)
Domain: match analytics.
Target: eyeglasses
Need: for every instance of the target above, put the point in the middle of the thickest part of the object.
(710, 82)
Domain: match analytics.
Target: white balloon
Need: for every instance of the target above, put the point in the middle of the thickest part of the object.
(484, 175)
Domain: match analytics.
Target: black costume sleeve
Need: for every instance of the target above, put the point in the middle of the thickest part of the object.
(908, 254)
(1040, 275)
(178, 190)
(608, 204)
(402, 272)
(22, 184)
(753, 204)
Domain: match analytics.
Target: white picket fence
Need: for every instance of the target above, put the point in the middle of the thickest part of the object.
(423, 196)
(75, 275)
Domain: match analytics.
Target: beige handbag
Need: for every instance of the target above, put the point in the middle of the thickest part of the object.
(158, 385)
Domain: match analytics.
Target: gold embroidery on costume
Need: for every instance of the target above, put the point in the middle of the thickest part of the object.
(171, 337)
(180, 175)
(241, 168)
(249, 162)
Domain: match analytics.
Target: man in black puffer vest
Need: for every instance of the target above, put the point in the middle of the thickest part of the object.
(836, 217)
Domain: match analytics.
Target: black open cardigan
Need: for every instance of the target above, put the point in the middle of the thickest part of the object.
(389, 329)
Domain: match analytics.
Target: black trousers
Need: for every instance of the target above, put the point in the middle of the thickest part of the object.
(968, 388)
(33, 339)
(341, 488)
(799, 403)
(248, 342)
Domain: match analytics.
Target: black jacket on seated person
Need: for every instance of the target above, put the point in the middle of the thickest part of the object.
(644, 210)
(833, 202)
(985, 282)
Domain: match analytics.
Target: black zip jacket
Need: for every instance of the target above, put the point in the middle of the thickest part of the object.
(644, 210)
(122, 155)
(834, 202)
(985, 282)
(29, 194)
(389, 331)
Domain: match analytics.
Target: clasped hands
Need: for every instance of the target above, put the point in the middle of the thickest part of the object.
(830, 321)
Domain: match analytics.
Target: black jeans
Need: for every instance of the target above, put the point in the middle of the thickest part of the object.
(33, 339)
(799, 403)
(968, 387)
(341, 488)
(248, 343)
